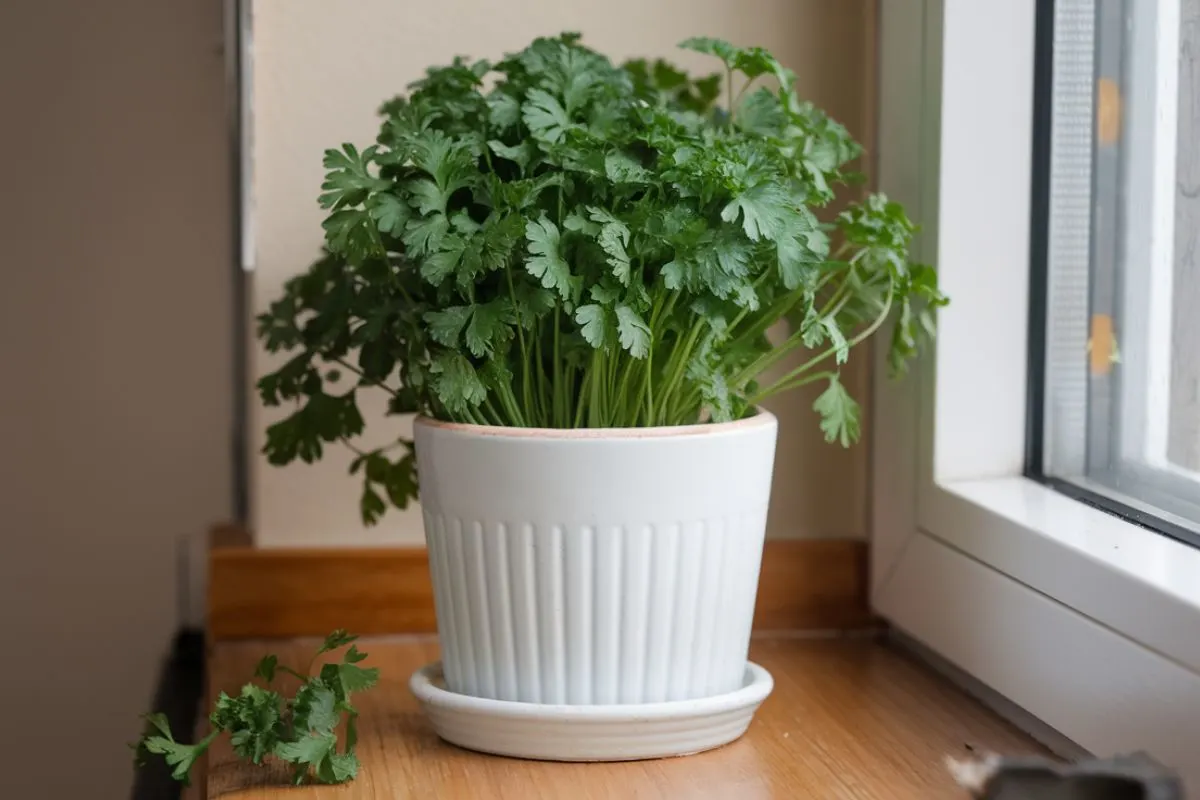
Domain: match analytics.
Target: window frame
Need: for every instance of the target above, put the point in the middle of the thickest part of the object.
(1115, 204)
(1087, 621)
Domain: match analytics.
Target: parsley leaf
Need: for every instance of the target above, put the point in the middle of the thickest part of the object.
(841, 348)
(310, 749)
(839, 413)
(633, 332)
(621, 167)
(521, 154)
(349, 179)
(716, 47)
(348, 231)
(546, 260)
(389, 213)
(545, 116)
(254, 720)
(423, 236)
(489, 327)
(705, 371)
(504, 110)
(179, 756)
(349, 677)
(457, 383)
(335, 640)
(371, 506)
(764, 210)
(266, 668)
(613, 238)
(344, 767)
(313, 708)
(446, 326)
(593, 321)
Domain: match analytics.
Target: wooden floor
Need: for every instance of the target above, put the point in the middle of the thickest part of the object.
(849, 718)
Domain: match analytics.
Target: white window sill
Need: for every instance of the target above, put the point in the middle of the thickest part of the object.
(1089, 623)
(1138, 583)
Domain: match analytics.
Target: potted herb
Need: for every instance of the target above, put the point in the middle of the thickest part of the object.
(569, 277)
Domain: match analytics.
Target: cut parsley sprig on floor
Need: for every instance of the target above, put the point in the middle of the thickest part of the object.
(261, 722)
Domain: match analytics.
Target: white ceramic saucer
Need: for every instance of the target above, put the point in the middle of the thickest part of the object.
(589, 733)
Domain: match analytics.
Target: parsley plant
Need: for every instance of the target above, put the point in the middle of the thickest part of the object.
(586, 245)
(261, 722)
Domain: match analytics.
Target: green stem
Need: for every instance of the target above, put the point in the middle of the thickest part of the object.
(816, 376)
(496, 417)
(508, 402)
(584, 389)
(611, 398)
(741, 315)
(661, 309)
(570, 379)
(617, 399)
(293, 673)
(526, 393)
(729, 86)
(597, 402)
(369, 381)
(557, 387)
(686, 402)
(780, 384)
(650, 387)
(677, 364)
(769, 358)
(840, 296)
(837, 309)
(384, 253)
(738, 101)
(540, 395)
(765, 320)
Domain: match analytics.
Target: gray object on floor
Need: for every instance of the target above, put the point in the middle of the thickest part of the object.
(1131, 777)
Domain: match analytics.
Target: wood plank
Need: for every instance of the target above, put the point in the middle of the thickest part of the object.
(256, 593)
(849, 718)
(283, 593)
(812, 584)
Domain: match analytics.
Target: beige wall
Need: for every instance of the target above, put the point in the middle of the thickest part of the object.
(321, 69)
(115, 335)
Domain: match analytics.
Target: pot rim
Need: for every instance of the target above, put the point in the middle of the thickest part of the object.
(761, 418)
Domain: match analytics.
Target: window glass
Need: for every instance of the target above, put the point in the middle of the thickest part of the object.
(1117, 384)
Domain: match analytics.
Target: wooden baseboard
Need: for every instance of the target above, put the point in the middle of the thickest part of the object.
(284, 593)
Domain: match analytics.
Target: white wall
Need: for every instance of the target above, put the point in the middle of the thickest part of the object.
(115, 377)
(320, 71)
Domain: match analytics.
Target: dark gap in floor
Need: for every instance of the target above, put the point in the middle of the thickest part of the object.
(178, 693)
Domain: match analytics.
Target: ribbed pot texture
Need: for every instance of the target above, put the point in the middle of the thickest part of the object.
(595, 566)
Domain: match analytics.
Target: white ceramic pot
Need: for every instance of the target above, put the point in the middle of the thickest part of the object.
(595, 566)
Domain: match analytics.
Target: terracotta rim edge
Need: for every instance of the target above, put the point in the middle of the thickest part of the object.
(761, 418)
